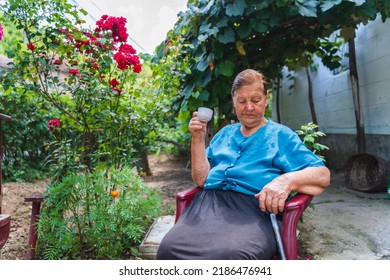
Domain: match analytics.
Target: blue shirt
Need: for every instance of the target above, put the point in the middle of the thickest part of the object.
(247, 163)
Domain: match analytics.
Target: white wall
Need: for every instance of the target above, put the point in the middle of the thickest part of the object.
(332, 93)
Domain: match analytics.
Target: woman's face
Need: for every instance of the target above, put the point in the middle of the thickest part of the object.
(249, 103)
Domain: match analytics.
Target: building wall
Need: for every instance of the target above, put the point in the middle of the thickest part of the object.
(333, 98)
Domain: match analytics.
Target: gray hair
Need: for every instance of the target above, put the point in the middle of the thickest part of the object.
(249, 77)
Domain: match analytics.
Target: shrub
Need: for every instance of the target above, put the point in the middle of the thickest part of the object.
(25, 136)
(309, 134)
(99, 215)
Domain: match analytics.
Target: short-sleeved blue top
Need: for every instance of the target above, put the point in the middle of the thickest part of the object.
(246, 164)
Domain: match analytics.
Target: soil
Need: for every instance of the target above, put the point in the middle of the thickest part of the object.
(341, 224)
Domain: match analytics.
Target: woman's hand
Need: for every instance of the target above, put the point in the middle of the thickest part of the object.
(197, 128)
(273, 196)
(310, 180)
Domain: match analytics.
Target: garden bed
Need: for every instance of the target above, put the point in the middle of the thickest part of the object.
(170, 175)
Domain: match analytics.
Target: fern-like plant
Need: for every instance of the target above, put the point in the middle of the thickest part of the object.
(99, 215)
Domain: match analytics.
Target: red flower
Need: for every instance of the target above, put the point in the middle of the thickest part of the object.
(117, 25)
(31, 46)
(114, 82)
(52, 124)
(125, 60)
(73, 71)
(121, 60)
(57, 61)
(126, 48)
(137, 68)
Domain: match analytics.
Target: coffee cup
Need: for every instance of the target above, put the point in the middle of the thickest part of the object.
(205, 114)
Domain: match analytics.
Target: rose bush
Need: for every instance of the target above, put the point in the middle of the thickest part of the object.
(89, 76)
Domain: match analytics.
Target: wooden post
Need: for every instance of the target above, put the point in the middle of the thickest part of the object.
(33, 237)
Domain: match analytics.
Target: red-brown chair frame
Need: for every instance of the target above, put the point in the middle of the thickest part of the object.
(294, 209)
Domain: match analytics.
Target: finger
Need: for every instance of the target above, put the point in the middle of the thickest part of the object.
(197, 125)
(261, 197)
(275, 205)
(268, 203)
(281, 205)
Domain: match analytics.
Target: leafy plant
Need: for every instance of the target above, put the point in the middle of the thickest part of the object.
(87, 75)
(220, 38)
(99, 215)
(309, 134)
(25, 136)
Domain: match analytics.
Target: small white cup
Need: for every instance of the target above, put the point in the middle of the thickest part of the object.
(205, 114)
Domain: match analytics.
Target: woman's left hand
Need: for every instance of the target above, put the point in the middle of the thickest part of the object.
(273, 196)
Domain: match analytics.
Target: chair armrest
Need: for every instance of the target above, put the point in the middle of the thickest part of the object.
(293, 210)
(183, 199)
(5, 226)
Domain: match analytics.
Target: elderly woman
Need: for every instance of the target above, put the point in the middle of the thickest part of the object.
(248, 171)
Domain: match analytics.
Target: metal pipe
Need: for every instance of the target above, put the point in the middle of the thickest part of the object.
(279, 242)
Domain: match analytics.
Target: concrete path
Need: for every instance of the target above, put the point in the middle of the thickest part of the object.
(344, 224)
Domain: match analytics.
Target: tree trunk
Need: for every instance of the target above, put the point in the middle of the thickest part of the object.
(311, 99)
(143, 163)
(353, 73)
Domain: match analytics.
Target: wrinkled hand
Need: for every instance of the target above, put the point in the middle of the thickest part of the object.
(197, 128)
(273, 196)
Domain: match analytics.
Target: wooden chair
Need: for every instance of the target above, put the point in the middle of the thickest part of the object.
(294, 209)
(5, 220)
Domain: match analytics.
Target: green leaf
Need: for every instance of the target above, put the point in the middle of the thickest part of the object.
(207, 31)
(236, 9)
(327, 5)
(244, 30)
(307, 8)
(227, 36)
(204, 79)
(282, 3)
(204, 95)
(222, 22)
(259, 26)
(358, 2)
(369, 9)
(226, 68)
(204, 62)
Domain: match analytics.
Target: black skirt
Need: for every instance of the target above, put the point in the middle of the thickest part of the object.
(220, 225)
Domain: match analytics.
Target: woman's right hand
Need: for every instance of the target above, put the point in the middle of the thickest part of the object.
(197, 128)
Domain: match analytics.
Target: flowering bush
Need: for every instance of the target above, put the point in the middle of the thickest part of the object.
(90, 77)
